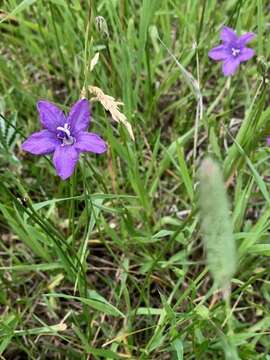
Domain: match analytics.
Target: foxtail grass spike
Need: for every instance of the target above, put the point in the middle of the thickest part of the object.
(216, 224)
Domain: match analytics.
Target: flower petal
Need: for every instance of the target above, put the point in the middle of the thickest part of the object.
(65, 159)
(92, 142)
(230, 66)
(245, 38)
(79, 116)
(41, 143)
(50, 115)
(246, 54)
(268, 141)
(218, 53)
(227, 34)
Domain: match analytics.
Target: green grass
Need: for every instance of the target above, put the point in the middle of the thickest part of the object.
(110, 264)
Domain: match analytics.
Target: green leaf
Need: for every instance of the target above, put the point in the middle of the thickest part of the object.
(95, 301)
(178, 348)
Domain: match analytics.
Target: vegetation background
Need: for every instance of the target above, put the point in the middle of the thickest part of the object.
(110, 264)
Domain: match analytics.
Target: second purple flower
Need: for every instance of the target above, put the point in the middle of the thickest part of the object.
(65, 137)
(233, 50)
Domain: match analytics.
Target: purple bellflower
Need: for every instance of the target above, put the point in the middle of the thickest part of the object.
(65, 137)
(233, 50)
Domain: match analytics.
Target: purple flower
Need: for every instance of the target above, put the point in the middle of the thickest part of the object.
(65, 137)
(233, 50)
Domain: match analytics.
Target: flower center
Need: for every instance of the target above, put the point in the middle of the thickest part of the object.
(235, 52)
(64, 135)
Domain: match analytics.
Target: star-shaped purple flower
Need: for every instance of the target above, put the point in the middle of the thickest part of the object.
(233, 50)
(65, 137)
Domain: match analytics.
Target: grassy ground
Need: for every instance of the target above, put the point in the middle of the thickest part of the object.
(110, 264)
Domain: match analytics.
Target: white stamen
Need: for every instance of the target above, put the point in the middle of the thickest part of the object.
(67, 139)
(235, 52)
(65, 129)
